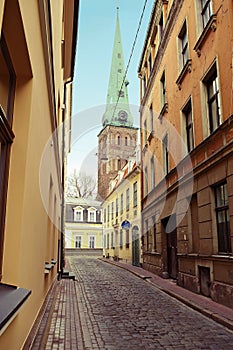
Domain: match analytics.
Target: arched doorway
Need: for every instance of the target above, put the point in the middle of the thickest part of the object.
(135, 246)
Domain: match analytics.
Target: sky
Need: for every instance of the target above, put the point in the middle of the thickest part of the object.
(97, 21)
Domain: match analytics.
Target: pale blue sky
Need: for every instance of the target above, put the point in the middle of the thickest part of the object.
(97, 20)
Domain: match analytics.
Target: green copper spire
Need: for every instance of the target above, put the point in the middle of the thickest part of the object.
(118, 115)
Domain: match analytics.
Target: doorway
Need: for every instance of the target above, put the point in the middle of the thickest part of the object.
(135, 246)
(171, 238)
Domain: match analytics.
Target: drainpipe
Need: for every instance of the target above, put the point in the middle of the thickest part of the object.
(62, 253)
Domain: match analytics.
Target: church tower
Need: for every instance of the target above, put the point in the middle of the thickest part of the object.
(118, 138)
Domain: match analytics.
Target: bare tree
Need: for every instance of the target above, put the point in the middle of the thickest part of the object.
(80, 185)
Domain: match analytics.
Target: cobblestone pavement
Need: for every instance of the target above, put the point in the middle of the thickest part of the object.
(118, 310)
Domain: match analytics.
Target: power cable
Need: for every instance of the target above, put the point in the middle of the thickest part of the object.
(131, 54)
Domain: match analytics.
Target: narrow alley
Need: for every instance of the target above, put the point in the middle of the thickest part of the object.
(109, 308)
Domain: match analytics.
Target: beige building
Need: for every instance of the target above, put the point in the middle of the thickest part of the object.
(37, 52)
(83, 224)
(186, 137)
(122, 215)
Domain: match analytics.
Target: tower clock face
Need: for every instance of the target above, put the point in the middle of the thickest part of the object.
(122, 116)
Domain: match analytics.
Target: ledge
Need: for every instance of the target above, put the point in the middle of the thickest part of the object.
(11, 300)
(48, 267)
(186, 69)
(211, 25)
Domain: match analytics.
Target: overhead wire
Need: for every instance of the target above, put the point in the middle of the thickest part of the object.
(131, 54)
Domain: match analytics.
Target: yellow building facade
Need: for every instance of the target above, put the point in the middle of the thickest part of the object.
(186, 137)
(83, 224)
(122, 216)
(37, 51)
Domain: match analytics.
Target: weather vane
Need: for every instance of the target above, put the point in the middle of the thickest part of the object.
(117, 5)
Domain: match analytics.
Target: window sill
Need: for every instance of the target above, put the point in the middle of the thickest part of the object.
(48, 267)
(211, 25)
(11, 300)
(186, 69)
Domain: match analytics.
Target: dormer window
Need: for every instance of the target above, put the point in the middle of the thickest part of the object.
(78, 214)
(92, 214)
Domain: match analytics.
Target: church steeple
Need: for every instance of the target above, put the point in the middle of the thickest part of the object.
(117, 105)
(118, 138)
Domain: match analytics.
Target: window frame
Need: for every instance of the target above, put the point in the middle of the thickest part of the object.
(206, 5)
(135, 194)
(163, 93)
(127, 199)
(183, 46)
(223, 209)
(213, 99)
(187, 112)
(78, 242)
(165, 154)
(6, 140)
(122, 203)
(152, 172)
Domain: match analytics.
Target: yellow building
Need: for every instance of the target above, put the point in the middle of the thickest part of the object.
(37, 52)
(83, 224)
(186, 138)
(122, 215)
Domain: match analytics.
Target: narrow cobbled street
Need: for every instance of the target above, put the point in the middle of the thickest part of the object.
(118, 310)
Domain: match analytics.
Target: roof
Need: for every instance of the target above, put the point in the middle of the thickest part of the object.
(85, 202)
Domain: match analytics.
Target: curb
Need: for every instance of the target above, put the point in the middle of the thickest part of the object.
(206, 312)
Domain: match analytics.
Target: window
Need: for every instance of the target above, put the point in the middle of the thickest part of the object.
(127, 239)
(222, 217)
(108, 213)
(151, 117)
(206, 11)
(213, 99)
(154, 232)
(145, 132)
(118, 164)
(78, 215)
(127, 199)
(183, 45)
(108, 241)
(144, 84)
(163, 90)
(118, 140)
(187, 112)
(91, 242)
(126, 141)
(121, 239)
(112, 211)
(147, 235)
(104, 215)
(135, 194)
(152, 173)
(149, 64)
(145, 181)
(117, 207)
(122, 203)
(161, 27)
(112, 245)
(165, 155)
(78, 242)
(7, 92)
(92, 216)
